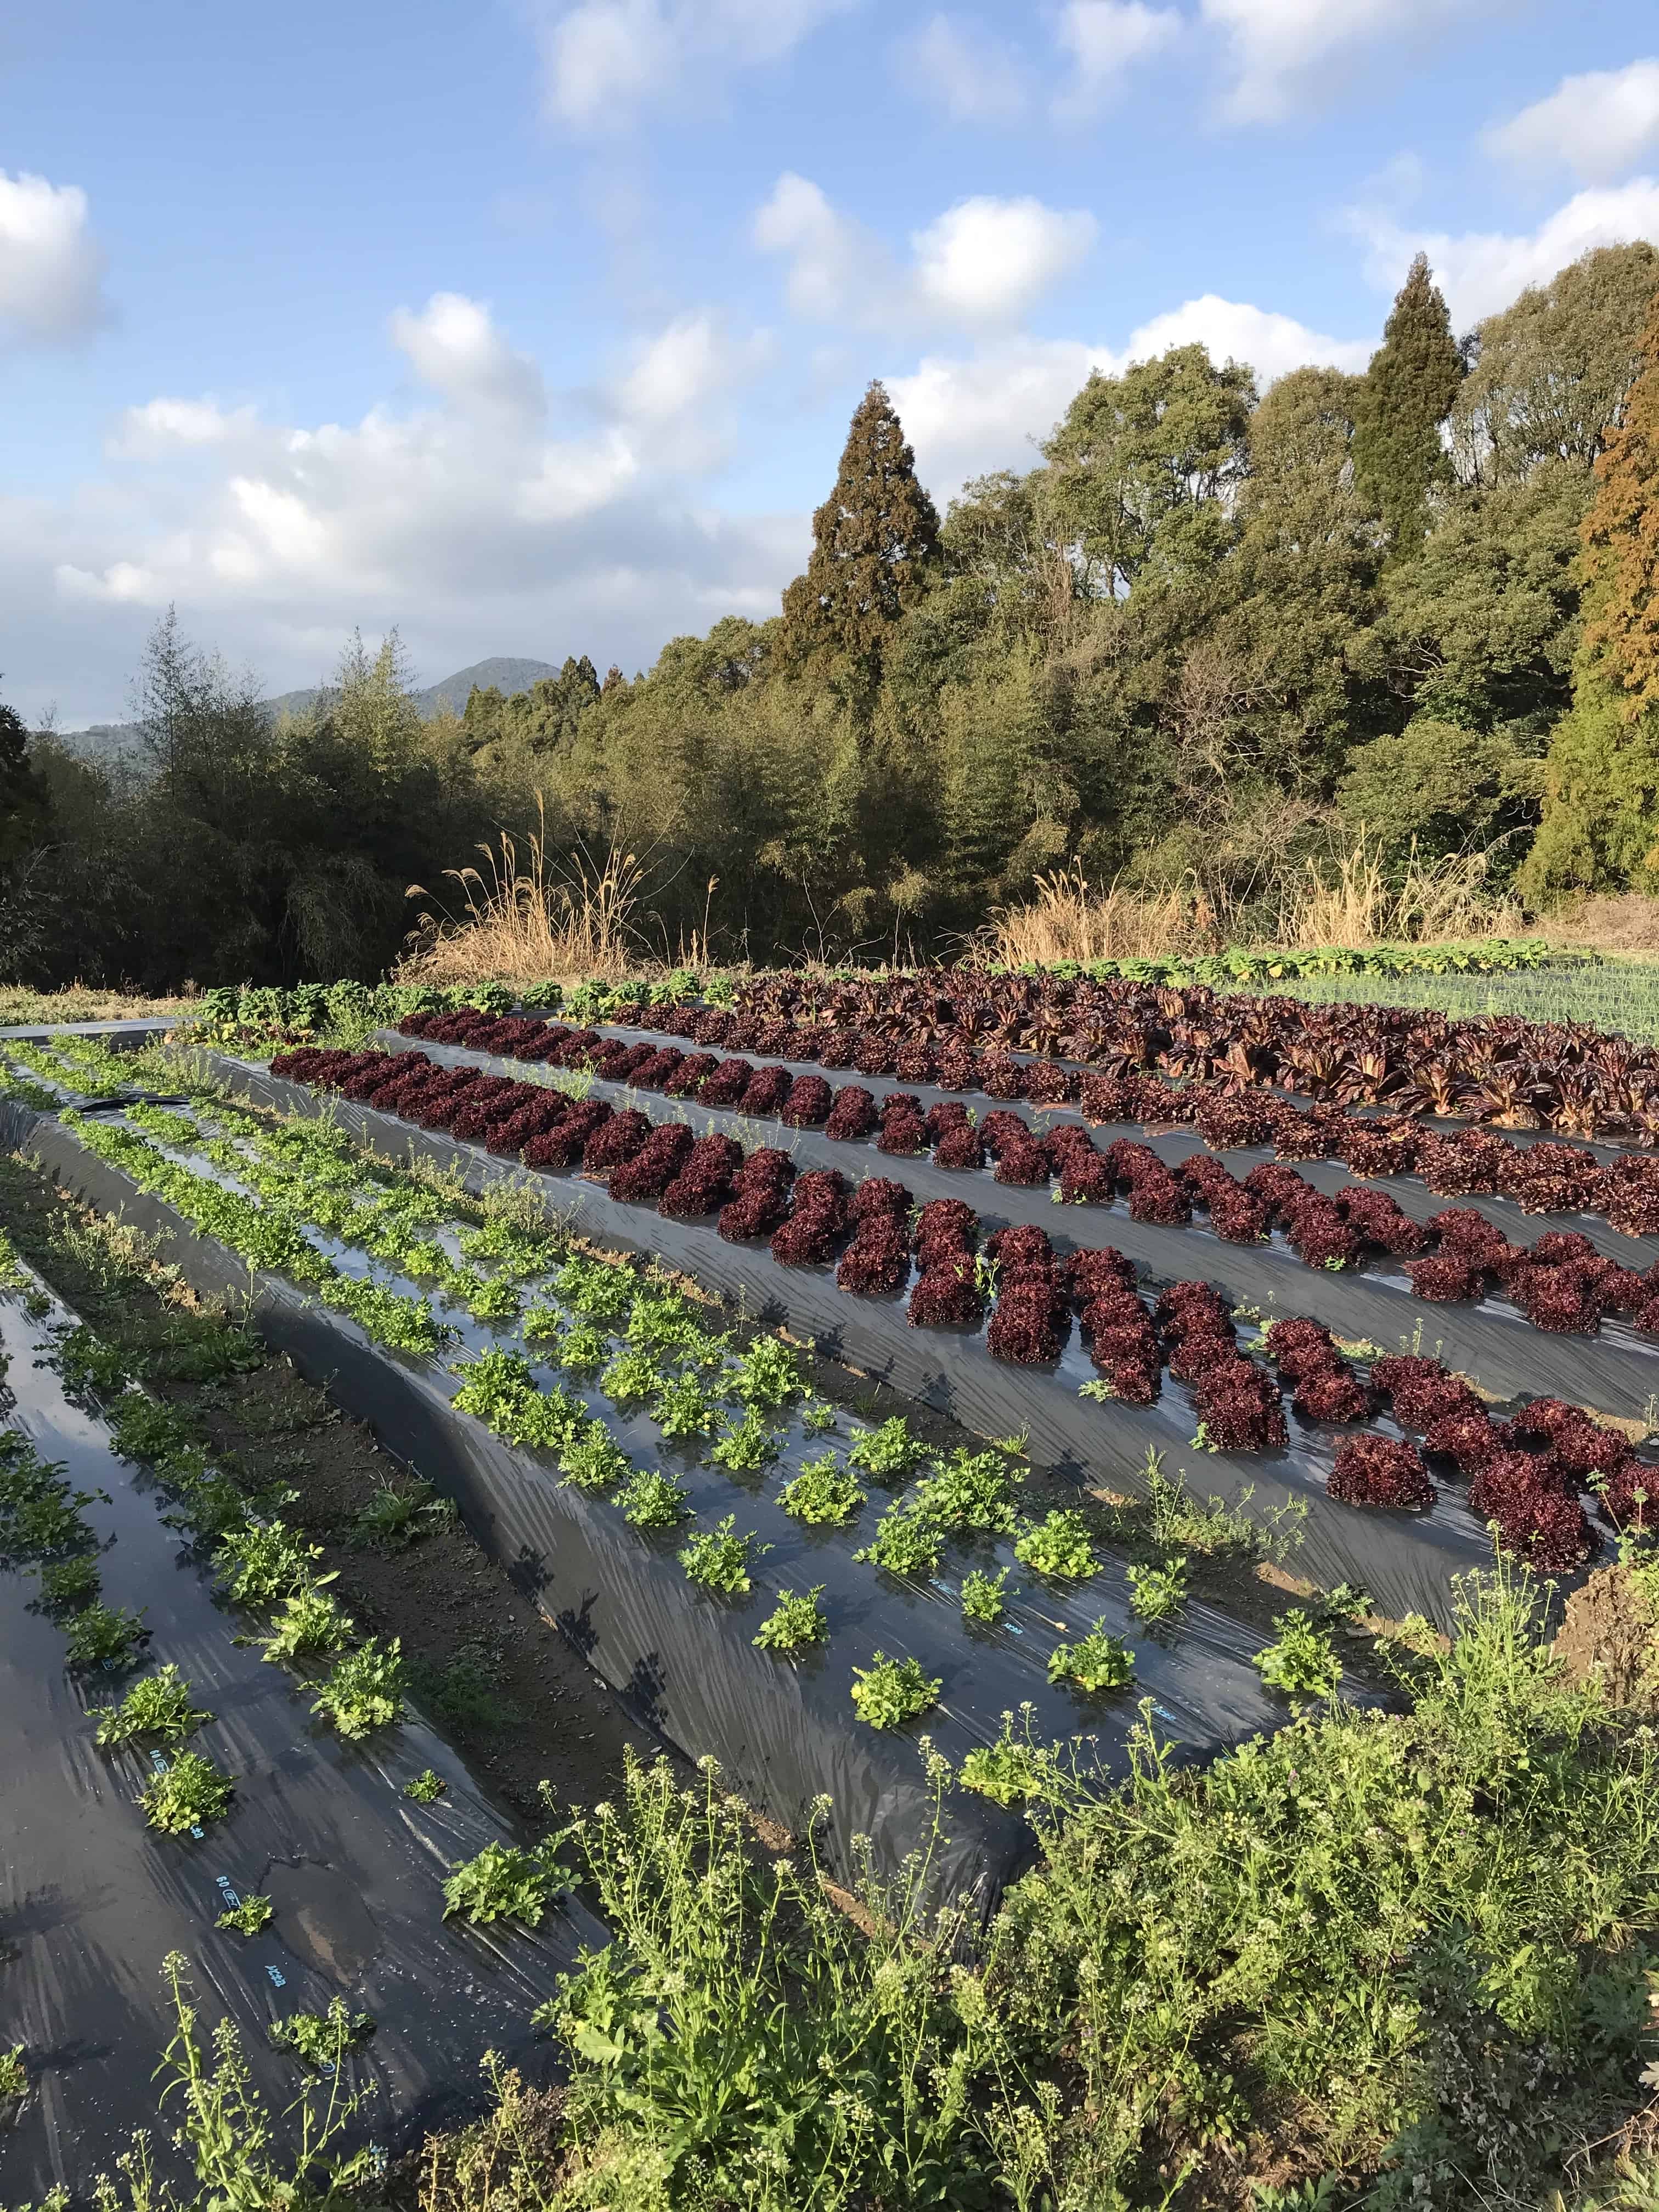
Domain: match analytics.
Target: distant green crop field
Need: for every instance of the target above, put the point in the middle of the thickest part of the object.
(1617, 995)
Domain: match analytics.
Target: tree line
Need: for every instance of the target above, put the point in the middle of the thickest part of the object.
(1213, 634)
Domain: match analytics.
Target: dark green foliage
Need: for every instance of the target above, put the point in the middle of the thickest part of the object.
(875, 553)
(1407, 394)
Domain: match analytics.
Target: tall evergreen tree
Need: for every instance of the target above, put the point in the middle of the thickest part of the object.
(1600, 821)
(1407, 394)
(875, 554)
(1621, 542)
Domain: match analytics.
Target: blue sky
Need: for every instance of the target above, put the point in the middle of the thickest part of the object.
(534, 329)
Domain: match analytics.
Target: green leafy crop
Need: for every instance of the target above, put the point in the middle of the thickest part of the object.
(1059, 1545)
(824, 1494)
(890, 1692)
(796, 1621)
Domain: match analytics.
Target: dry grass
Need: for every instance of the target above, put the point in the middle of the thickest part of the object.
(530, 920)
(1627, 924)
(1345, 900)
(19, 1007)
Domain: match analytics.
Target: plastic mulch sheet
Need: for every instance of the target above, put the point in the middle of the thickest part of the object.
(785, 1734)
(94, 1898)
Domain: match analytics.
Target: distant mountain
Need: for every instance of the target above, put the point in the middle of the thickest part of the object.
(506, 672)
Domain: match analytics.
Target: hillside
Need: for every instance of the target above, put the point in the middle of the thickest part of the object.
(508, 672)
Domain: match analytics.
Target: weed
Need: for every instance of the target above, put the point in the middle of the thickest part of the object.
(1096, 1663)
(1303, 1662)
(397, 1516)
(984, 1597)
(889, 1454)
(103, 1636)
(652, 1499)
(87, 1362)
(823, 1494)
(365, 1690)
(321, 2039)
(248, 1917)
(158, 1705)
(1059, 1545)
(466, 1695)
(717, 1558)
(1157, 1593)
(427, 1788)
(794, 1622)
(506, 1882)
(186, 1794)
(890, 1692)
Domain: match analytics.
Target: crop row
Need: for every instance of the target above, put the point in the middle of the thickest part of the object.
(1034, 1293)
(1559, 1284)
(949, 1023)
(1545, 1177)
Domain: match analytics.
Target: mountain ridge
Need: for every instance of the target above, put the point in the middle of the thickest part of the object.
(508, 672)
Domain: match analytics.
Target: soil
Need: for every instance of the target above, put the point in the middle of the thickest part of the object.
(491, 1674)
(1610, 1629)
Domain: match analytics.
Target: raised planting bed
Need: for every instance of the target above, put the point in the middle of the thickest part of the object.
(105, 1591)
(1406, 1561)
(575, 1434)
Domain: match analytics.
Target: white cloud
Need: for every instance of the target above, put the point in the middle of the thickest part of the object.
(1480, 271)
(169, 425)
(989, 260)
(1104, 39)
(477, 525)
(454, 346)
(965, 416)
(973, 77)
(1600, 125)
(983, 261)
(605, 58)
(51, 268)
(1284, 54)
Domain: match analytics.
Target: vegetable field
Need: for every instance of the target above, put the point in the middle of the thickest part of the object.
(901, 1397)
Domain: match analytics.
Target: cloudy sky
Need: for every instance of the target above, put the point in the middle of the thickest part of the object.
(533, 328)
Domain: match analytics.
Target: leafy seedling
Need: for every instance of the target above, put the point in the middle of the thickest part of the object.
(1058, 1547)
(1096, 1663)
(397, 1516)
(794, 1623)
(248, 1917)
(905, 1542)
(366, 1690)
(70, 1585)
(310, 1624)
(889, 1454)
(823, 1494)
(506, 1882)
(186, 1794)
(158, 1707)
(1158, 1593)
(890, 1692)
(747, 1446)
(717, 1558)
(426, 1787)
(1303, 1662)
(321, 2039)
(652, 1499)
(984, 1597)
(103, 1636)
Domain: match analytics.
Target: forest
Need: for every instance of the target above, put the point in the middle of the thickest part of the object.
(1216, 637)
